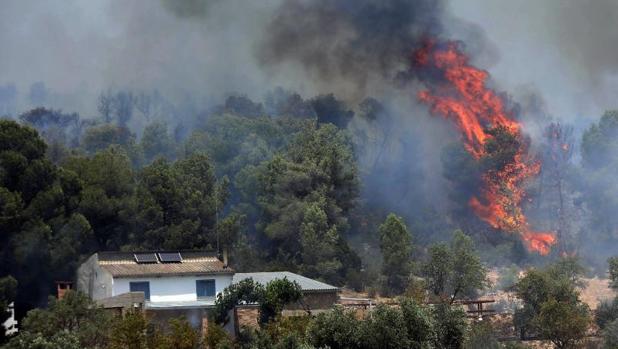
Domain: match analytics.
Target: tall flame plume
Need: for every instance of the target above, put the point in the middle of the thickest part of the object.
(462, 96)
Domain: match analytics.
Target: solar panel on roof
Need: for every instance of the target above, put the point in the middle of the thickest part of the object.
(145, 257)
(170, 257)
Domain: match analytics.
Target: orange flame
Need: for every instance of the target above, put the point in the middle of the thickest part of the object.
(464, 98)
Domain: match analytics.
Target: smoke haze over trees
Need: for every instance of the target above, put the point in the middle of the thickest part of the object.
(287, 132)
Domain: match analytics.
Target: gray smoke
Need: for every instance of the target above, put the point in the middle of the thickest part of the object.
(353, 41)
(566, 49)
(63, 53)
(78, 49)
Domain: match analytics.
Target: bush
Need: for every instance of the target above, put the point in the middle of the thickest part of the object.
(610, 335)
(385, 328)
(606, 313)
(451, 326)
(416, 290)
(564, 323)
(215, 335)
(60, 340)
(482, 336)
(75, 314)
(419, 323)
(182, 335)
(336, 329)
(129, 331)
(284, 327)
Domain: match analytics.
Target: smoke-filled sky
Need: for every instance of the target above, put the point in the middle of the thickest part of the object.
(564, 50)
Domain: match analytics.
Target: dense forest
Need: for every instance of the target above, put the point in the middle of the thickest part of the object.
(283, 184)
(416, 153)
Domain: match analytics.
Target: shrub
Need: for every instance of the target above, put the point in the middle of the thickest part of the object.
(337, 329)
(606, 313)
(610, 335)
(215, 335)
(385, 327)
(481, 336)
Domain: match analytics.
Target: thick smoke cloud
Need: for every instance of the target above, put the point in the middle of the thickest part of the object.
(585, 33)
(565, 49)
(200, 50)
(354, 41)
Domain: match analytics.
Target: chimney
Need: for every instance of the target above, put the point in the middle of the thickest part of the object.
(225, 257)
(62, 287)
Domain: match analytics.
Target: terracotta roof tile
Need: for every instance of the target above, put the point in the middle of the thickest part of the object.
(123, 264)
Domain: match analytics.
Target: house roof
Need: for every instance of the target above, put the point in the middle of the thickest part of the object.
(123, 264)
(306, 284)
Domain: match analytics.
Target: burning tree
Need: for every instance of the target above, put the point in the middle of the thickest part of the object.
(491, 135)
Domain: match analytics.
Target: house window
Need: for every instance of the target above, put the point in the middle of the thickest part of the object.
(205, 288)
(142, 286)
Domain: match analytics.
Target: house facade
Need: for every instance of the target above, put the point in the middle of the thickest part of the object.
(169, 284)
(167, 279)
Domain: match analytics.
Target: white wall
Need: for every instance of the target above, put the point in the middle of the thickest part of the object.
(172, 289)
(94, 280)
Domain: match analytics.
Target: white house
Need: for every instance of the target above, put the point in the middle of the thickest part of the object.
(168, 284)
(169, 280)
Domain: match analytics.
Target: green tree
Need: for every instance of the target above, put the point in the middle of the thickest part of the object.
(420, 324)
(319, 244)
(177, 205)
(237, 146)
(277, 294)
(336, 329)
(450, 326)
(385, 328)
(396, 248)
(216, 334)
(316, 170)
(551, 306)
(129, 331)
(613, 272)
(563, 323)
(60, 340)
(75, 314)
(482, 336)
(156, 142)
(37, 201)
(599, 152)
(107, 200)
(456, 270)
(98, 138)
(270, 298)
(610, 335)
(606, 312)
(330, 110)
(182, 336)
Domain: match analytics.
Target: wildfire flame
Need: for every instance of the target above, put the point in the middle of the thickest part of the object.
(463, 97)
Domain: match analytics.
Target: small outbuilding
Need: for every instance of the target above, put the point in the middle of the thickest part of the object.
(316, 294)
